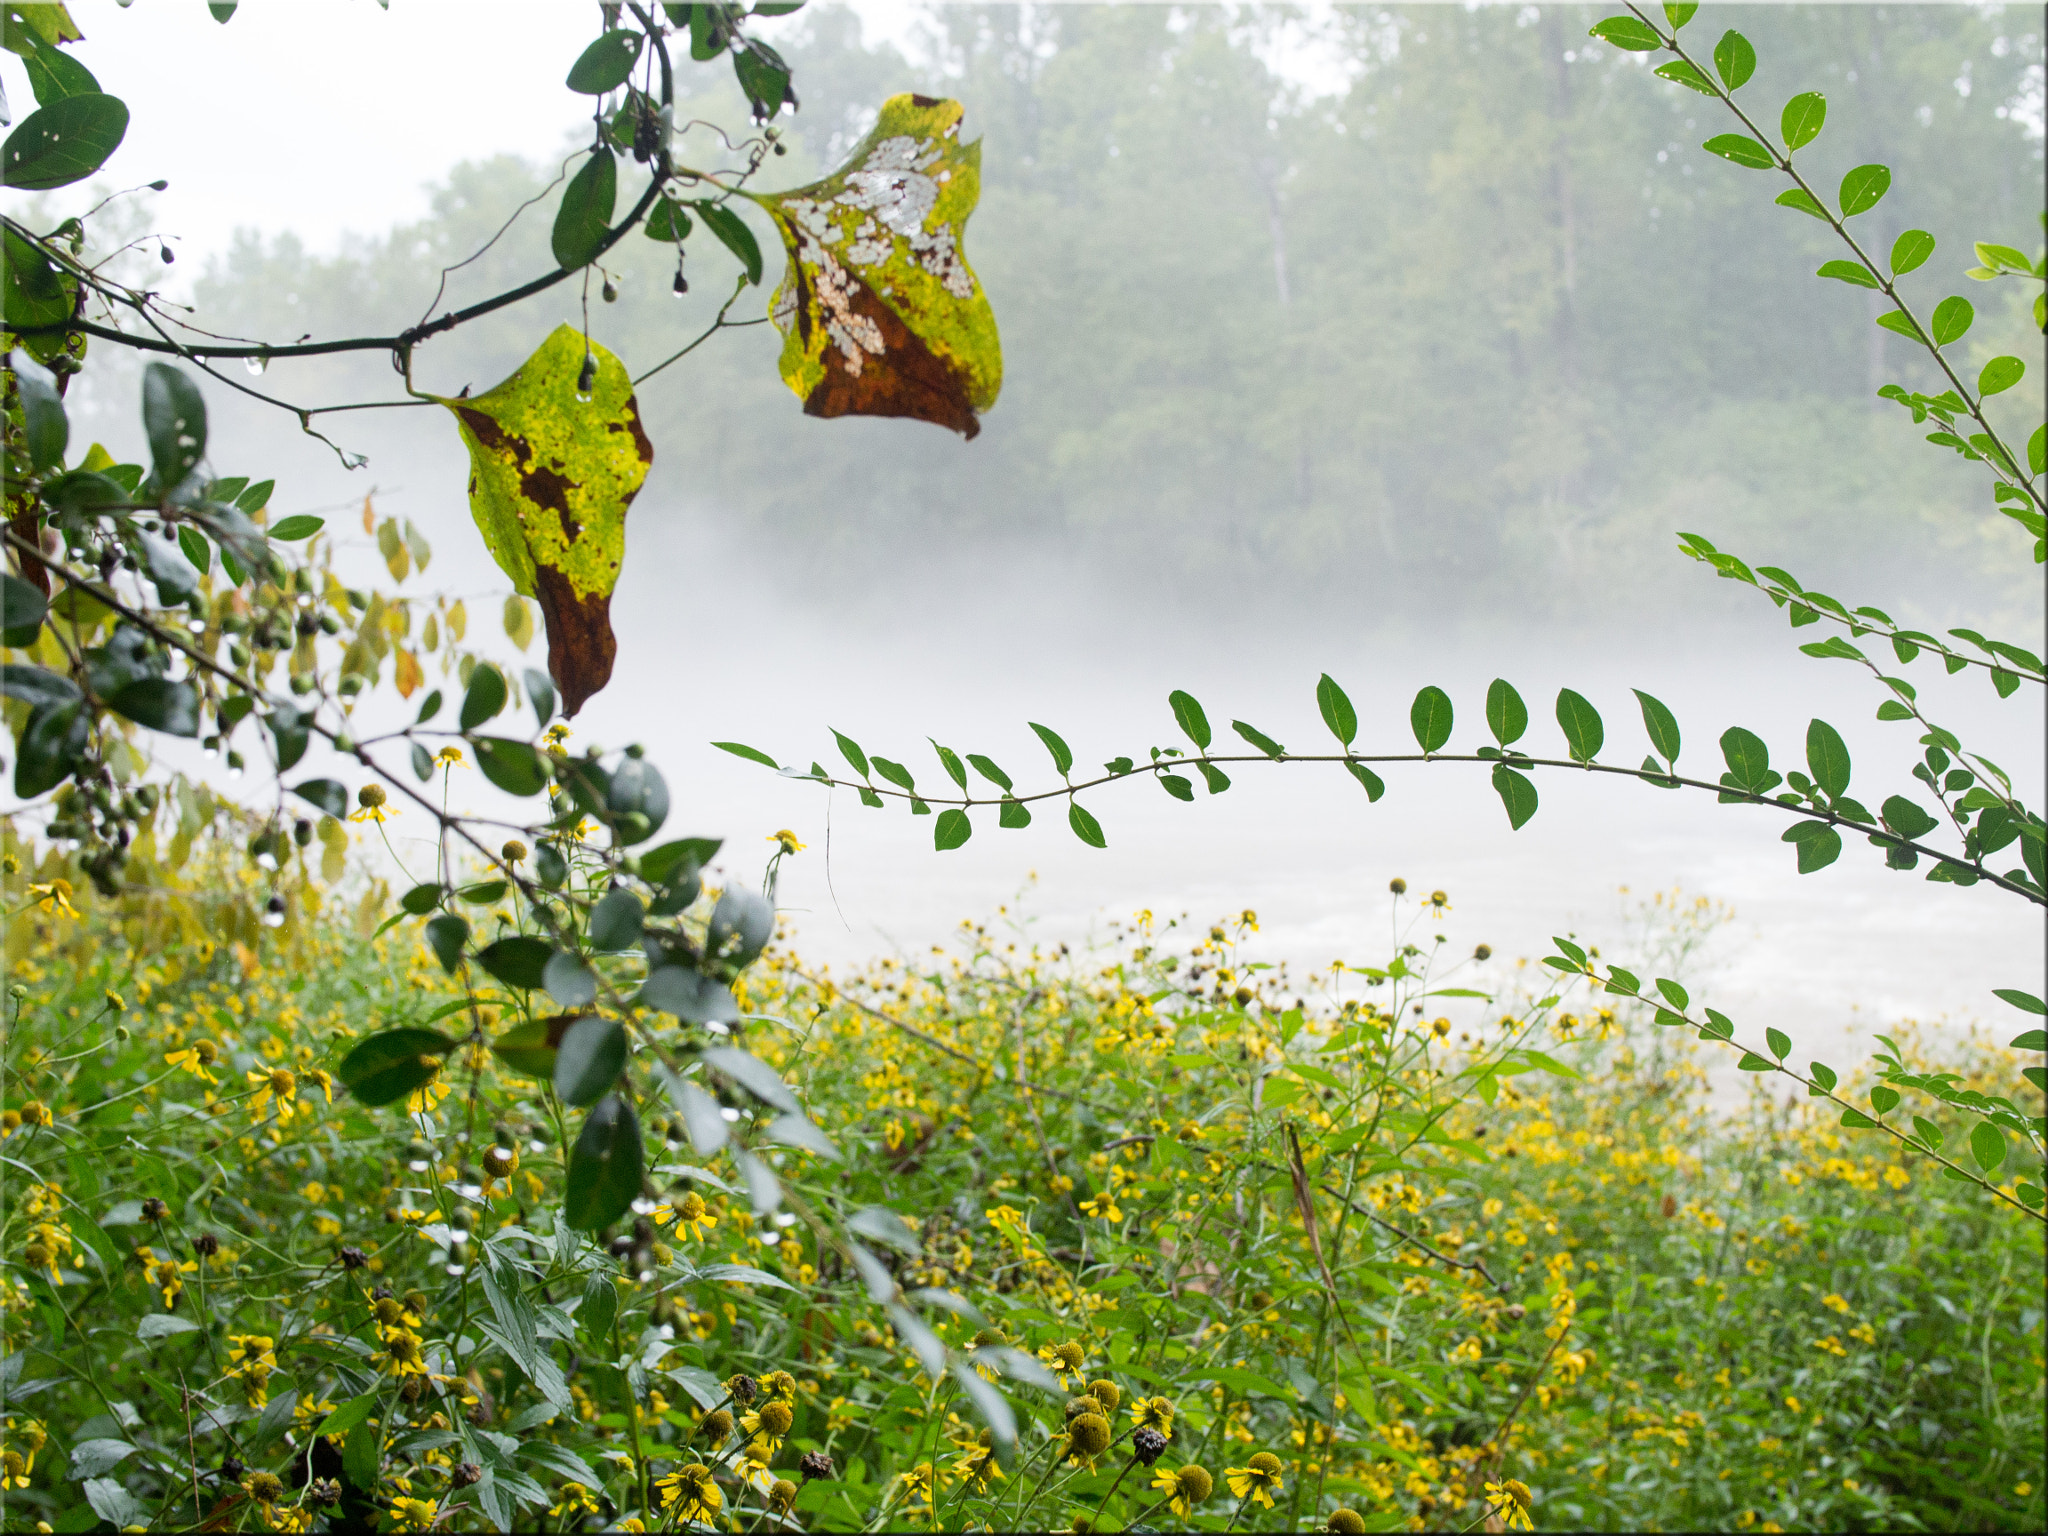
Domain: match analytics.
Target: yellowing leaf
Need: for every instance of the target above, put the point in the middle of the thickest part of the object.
(51, 22)
(518, 622)
(391, 545)
(406, 673)
(879, 311)
(551, 477)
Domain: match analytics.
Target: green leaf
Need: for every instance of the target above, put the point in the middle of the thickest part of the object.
(1258, 738)
(486, 696)
(160, 704)
(22, 608)
(1176, 786)
(1506, 715)
(1823, 1075)
(446, 937)
(2026, 1002)
(356, 1410)
(1062, 755)
(1847, 272)
(667, 222)
(1987, 1146)
(53, 74)
(1742, 150)
(520, 961)
(1905, 819)
(951, 829)
(1373, 785)
(615, 922)
(585, 216)
(1679, 12)
(529, 1047)
(1661, 724)
(1820, 850)
(64, 142)
(1085, 826)
(292, 529)
(174, 415)
(1911, 250)
(1864, 188)
(513, 766)
(950, 761)
(764, 79)
(605, 65)
(388, 1066)
(1802, 119)
(989, 769)
(1679, 72)
(1799, 198)
(605, 1167)
(1430, 718)
(1751, 1062)
(1952, 317)
(37, 685)
(569, 981)
(1627, 32)
(1779, 1042)
(751, 754)
(326, 794)
(540, 693)
(1581, 724)
(733, 234)
(51, 744)
(421, 899)
(1748, 759)
(850, 750)
(45, 426)
(1013, 814)
(589, 1059)
(1855, 1121)
(905, 329)
(1674, 994)
(551, 477)
(1999, 375)
(1894, 320)
(1516, 792)
(1187, 714)
(1928, 1132)
(1734, 60)
(1827, 755)
(1336, 709)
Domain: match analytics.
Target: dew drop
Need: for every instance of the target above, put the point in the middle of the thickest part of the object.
(256, 365)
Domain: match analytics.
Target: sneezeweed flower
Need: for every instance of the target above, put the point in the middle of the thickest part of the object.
(693, 1491)
(1510, 1500)
(1185, 1489)
(266, 1488)
(372, 799)
(1345, 1522)
(1106, 1393)
(316, 1077)
(1148, 1445)
(1153, 1413)
(1835, 1303)
(691, 1215)
(576, 1500)
(424, 1098)
(1257, 1479)
(766, 1428)
(449, 757)
(167, 1275)
(54, 898)
(413, 1514)
(1103, 1205)
(781, 1496)
(403, 1353)
(195, 1058)
(715, 1427)
(1087, 1436)
(917, 1483)
(252, 1357)
(779, 1385)
(393, 1313)
(977, 1469)
(279, 1086)
(786, 841)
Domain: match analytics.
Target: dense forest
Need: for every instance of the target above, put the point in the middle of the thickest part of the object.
(1488, 314)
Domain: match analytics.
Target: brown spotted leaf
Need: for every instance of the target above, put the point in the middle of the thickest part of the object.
(879, 311)
(551, 477)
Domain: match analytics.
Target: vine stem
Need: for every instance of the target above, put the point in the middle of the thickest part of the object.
(1814, 1089)
(1664, 780)
(1783, 162)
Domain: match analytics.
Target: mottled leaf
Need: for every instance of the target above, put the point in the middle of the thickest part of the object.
(879, 311)
(551, 477)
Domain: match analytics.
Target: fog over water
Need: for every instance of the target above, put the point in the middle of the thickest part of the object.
(1455, 496)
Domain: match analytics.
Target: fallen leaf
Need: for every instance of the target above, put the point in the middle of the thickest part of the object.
(879, 311)
(551, 477)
